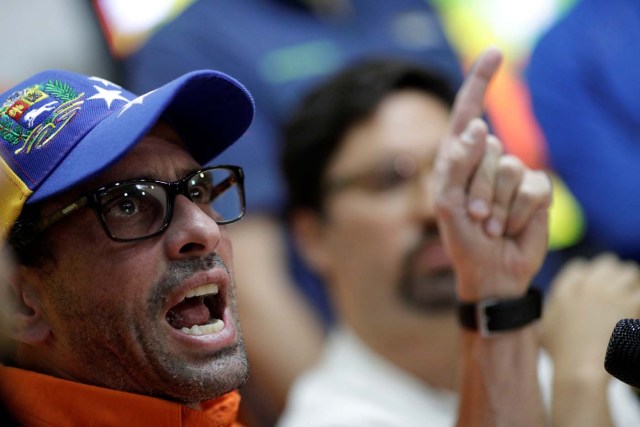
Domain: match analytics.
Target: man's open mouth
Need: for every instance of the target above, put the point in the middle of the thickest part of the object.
(200, 312)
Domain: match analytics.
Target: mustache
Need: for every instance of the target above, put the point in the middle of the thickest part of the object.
(178, 271)
(429, 292)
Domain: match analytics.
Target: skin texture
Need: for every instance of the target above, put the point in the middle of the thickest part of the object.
(587, 299)
(96, 312)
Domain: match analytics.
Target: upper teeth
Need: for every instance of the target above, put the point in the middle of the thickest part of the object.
(210, 289)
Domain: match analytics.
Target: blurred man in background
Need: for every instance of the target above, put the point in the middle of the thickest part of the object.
(359, 152)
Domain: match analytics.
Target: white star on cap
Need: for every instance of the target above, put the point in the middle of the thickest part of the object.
(103, 81)
(137, 101)
(108, 95)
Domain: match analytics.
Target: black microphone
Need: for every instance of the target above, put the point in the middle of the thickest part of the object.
(623, 353)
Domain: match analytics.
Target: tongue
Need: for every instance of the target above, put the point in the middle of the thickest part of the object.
(189, 312)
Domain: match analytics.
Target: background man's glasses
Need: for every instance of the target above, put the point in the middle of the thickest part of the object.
(141, 208)
(389, 177)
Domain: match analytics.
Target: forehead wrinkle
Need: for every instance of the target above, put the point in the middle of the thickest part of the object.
(157, 174)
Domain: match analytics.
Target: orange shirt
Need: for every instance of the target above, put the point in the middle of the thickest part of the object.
(42, 400)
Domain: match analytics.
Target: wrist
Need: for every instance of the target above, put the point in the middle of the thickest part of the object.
(487, 287)
(580, 375)
(489, 316)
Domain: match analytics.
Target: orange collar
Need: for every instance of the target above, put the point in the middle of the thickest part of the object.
(42, 400)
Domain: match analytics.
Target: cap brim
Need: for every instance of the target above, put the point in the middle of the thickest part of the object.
(210, 110)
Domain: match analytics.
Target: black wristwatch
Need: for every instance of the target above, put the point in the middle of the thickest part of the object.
(491, 316)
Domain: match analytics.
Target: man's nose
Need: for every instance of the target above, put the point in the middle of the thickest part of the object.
(193, 231)
(421, 200)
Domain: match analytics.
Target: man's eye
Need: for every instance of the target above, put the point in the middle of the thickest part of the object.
(384, 181)
(121, 207)
(199, 194)
(127, 207)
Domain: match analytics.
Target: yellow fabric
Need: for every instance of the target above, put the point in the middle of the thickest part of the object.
(13, 195)
(566, 219)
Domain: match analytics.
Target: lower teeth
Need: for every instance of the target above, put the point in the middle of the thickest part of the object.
(216, 326)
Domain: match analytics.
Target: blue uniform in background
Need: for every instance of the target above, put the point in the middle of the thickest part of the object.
(584, 79)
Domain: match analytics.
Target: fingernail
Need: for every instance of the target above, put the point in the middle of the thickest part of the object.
(494, 227)
(468, 136)
(479, 208)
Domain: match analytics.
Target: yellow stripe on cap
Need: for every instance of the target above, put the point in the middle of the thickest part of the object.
(13, 195)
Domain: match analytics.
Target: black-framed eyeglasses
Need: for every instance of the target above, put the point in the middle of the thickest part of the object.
(138, 209)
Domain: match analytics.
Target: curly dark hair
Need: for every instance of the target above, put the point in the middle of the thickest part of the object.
(315, 130)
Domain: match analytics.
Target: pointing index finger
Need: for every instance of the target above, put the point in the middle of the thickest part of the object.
(469, 102)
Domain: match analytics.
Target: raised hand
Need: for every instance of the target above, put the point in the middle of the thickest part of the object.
(491, 209)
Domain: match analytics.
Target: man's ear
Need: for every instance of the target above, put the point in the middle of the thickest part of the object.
(26, 320)
(310, 237)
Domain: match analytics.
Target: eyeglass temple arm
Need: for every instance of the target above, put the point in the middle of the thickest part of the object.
(223, 186)
(25, 233)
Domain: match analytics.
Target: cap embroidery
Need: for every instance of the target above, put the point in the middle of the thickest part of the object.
(31, 117)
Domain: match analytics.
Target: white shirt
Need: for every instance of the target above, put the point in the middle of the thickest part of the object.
(353, 386)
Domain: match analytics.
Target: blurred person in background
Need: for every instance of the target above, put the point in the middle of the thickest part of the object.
(358, 154)
(279, 48)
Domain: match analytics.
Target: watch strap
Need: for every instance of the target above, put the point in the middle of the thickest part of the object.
(491, 315)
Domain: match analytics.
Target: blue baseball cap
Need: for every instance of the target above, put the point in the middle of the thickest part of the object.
(59, 128)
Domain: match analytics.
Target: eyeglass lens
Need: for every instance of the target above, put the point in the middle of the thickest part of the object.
(139, 209)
